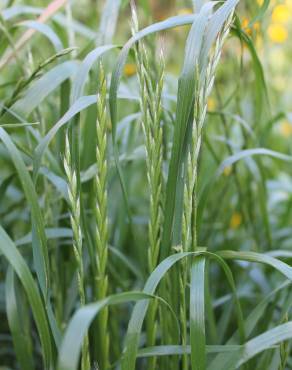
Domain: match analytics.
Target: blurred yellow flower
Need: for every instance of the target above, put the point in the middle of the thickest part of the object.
(256, 26)
(281, 14)
(245, 25)
(236, 220)
(227, 170)
(286, 129)
(130, 69)
(185, 11)
(277, 33)
(211, 103)
(288, 3)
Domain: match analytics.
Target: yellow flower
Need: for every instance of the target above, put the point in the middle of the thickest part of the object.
(227, 170)
(281, 14)
(245, 25)
(236, 220)
(211, 103)
(185, 11)
(130, 69)
(256, 26)
(277, 33)
(286, 129)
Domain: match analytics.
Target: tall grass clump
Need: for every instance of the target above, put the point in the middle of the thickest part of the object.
(145, 203)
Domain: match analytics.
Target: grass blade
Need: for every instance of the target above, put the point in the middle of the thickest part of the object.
(8, 249)
(197, 314)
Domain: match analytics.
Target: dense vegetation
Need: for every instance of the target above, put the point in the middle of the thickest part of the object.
(145, 185)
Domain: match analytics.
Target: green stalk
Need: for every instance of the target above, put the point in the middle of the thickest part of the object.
(74, 202)
(150, 105)
(189, 222)
(101, 223)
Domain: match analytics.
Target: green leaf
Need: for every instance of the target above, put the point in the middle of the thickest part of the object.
(47, 31)
(108, 22)
(200, 40)
(42, 88)
(282, 267)
(18, 10)
(17, 321)
(80, 104)
(197, 314)
(251, 152)
(84, 68)
(185, 103)
(40, 252)
(51, 233)
(9, 250)
(255, 346)
(250, 323)
(73, 338)
(140, 309)
(175, 350)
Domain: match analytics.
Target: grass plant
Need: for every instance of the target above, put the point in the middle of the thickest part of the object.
(145, 185)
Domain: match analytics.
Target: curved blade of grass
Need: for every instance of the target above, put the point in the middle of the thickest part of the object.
(18, 10)
(198, 4)
(81, 104)
(17, 125)
(140, 309)
(9, 250)
(46, 14)
(280, 254)
(264, 7)
(47, 31)
(250, 322)
(197, 314)
(264, 341)
(176, 350)
(15, 11)
(251, 152)
(108, 22)
(261, 91)
(51, 233)
(21, 341)
(255, 346)
(214, 27)
(117, 73)
(84, 68)
(199, 43)
(80, 323)
(265, 259)
(43, 87)
(40, 252)
(185, 102)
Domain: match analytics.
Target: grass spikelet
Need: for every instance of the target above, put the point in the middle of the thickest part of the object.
(151, 106)
(74, 203)
(100, 216)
